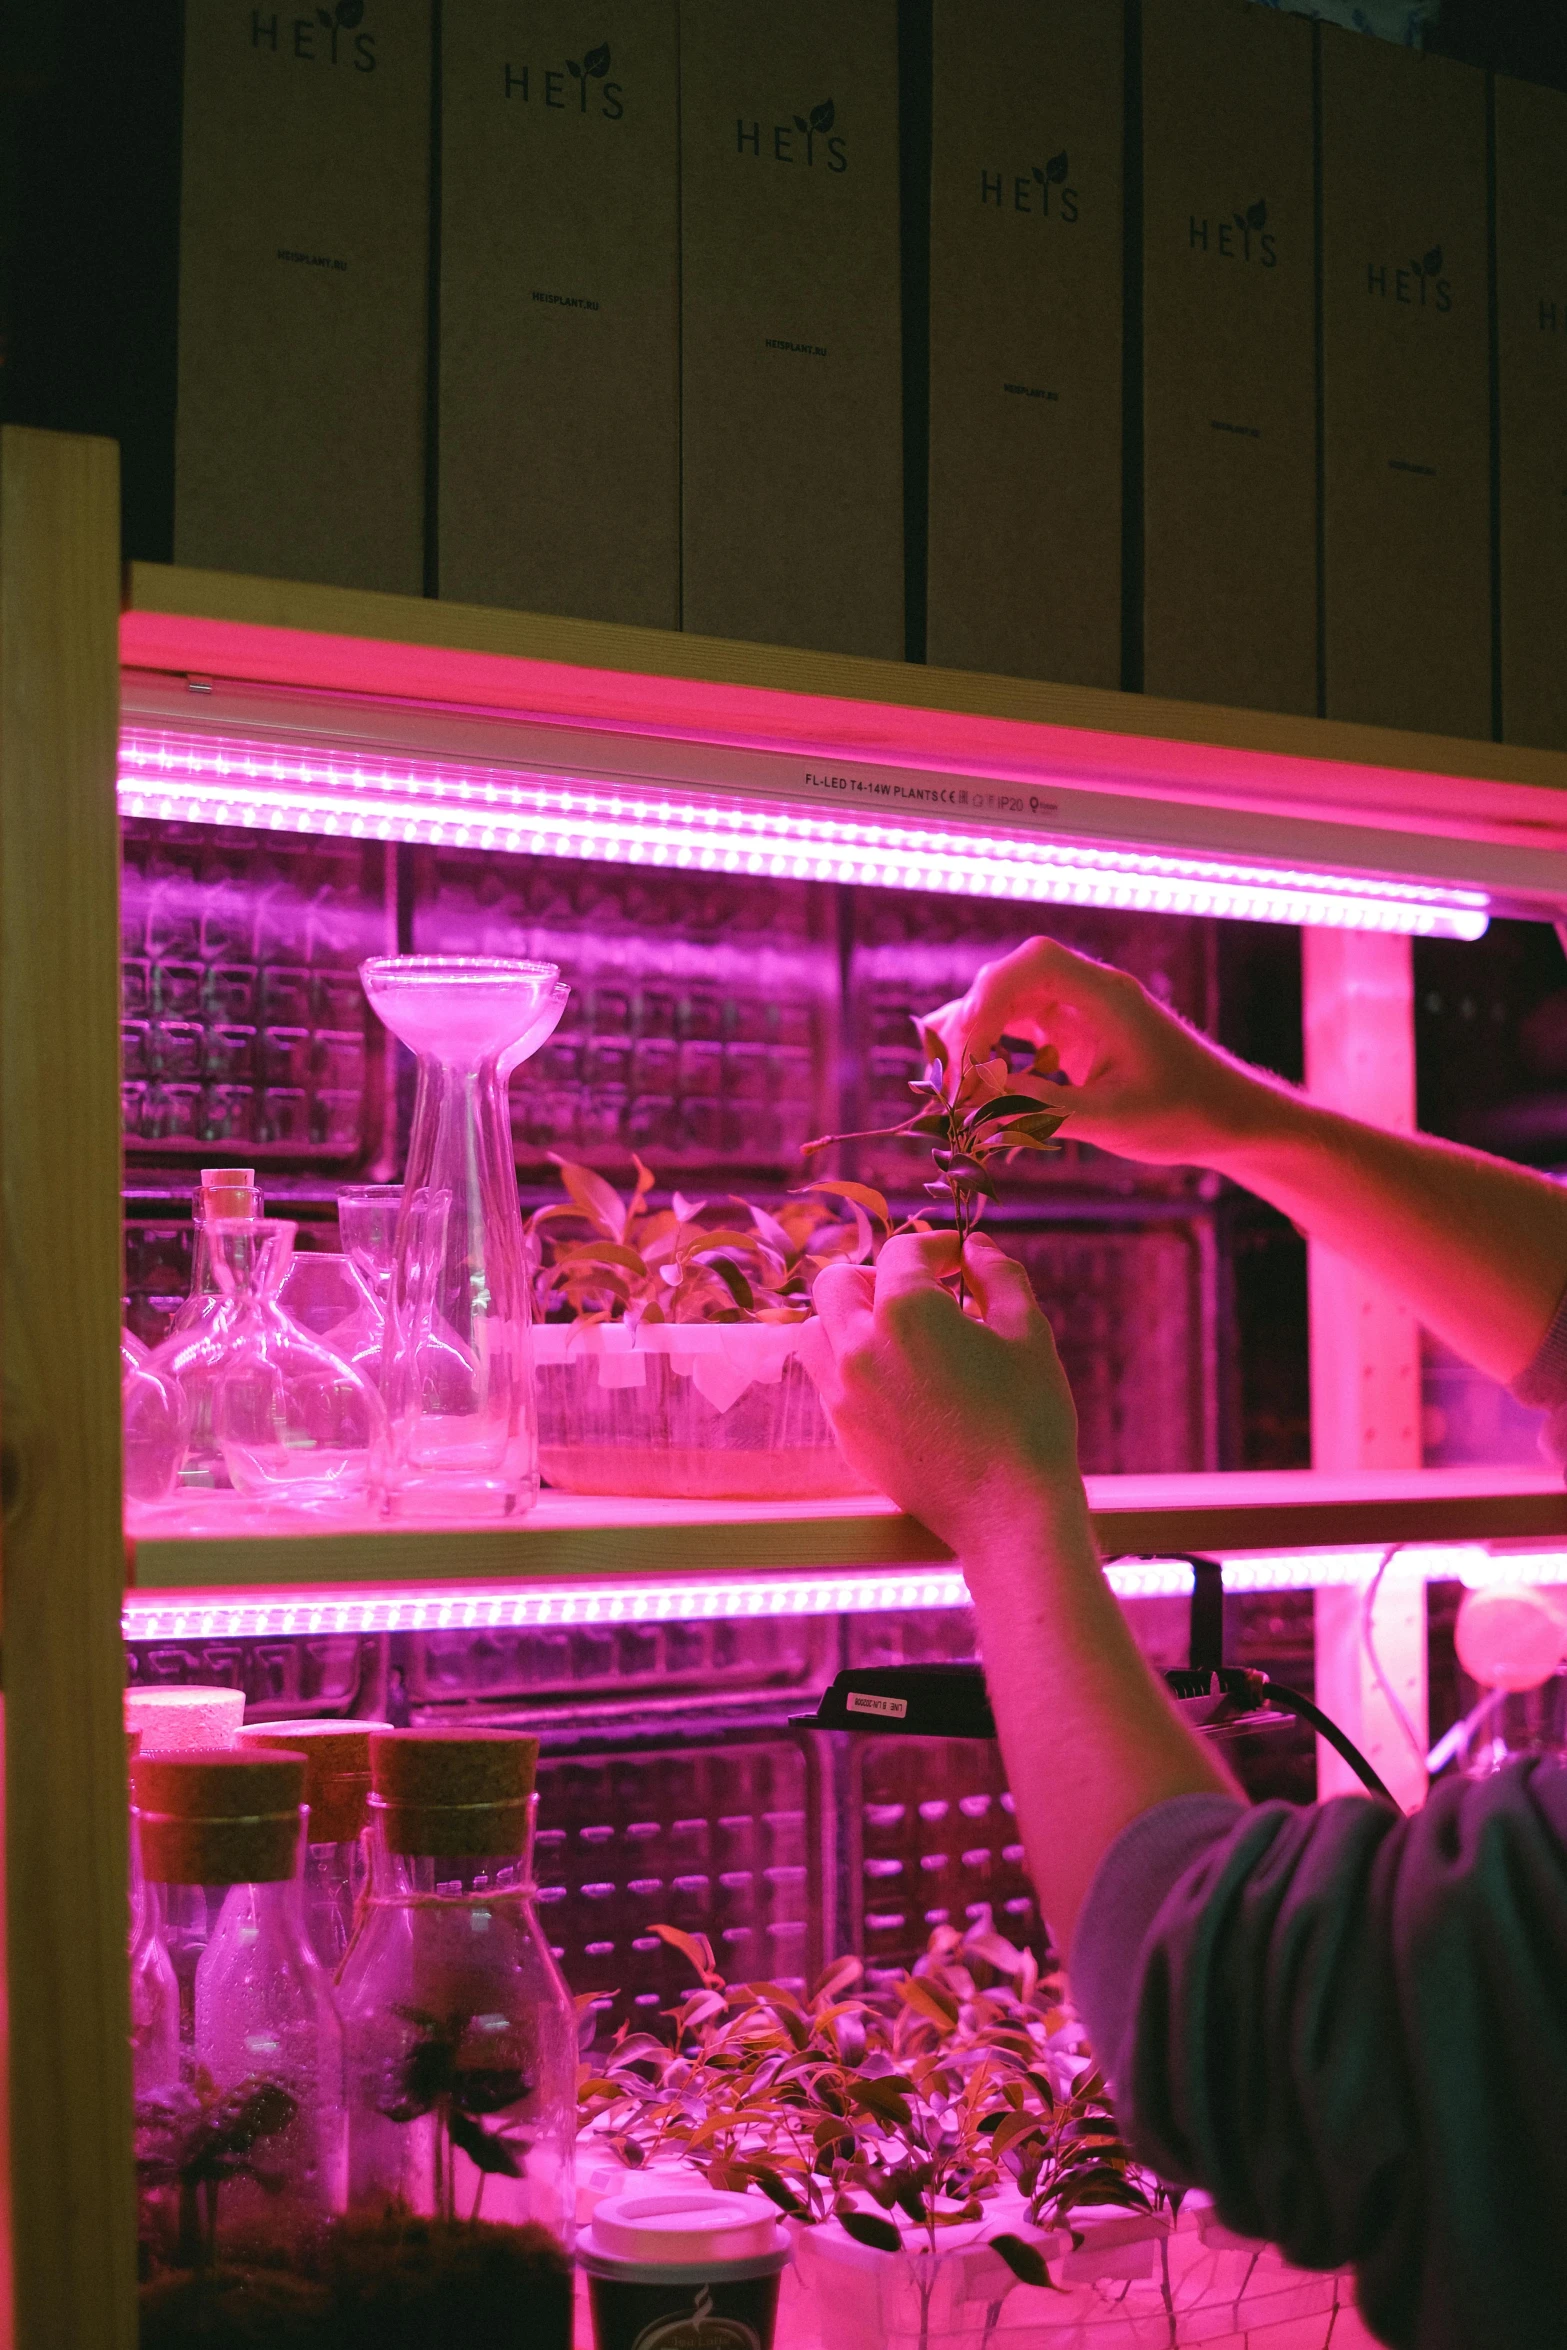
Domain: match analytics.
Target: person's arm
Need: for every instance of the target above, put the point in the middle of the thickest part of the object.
(1477, 1248)
(970, 1426)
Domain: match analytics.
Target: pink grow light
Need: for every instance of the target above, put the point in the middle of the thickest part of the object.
(242, 1615)
(369, 795)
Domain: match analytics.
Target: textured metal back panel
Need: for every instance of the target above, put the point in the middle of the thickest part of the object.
(709, 1839)
(245, 1025)
(701, 1029)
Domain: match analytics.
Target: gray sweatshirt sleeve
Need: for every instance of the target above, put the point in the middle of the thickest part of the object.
(1351, 2029)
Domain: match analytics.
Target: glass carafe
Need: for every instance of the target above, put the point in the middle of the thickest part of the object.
(458, 1371)
(224, 1191)
(294, 1422)
(367, 1216)
(459, 2032)
(241, 2161)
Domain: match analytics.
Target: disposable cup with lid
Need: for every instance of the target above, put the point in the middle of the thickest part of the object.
(683, 2267)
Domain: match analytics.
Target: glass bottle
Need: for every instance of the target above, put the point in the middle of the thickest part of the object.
(367, 1216)
(460, 2034)
(293, 1422)
(458, 1377)
(241, 2164)
(155, 1995)
(337, 1798)
(156, 1423)
(223, 1191)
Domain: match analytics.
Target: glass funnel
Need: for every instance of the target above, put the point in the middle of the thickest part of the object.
(457, 1374)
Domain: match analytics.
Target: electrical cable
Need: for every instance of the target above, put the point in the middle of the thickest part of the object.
(1292, 1702)
(1368, 1601)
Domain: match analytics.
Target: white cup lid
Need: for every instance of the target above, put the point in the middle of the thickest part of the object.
(683, 2226)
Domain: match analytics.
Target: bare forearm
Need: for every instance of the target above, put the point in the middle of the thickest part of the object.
(1089, 1737)
(1477, 1248)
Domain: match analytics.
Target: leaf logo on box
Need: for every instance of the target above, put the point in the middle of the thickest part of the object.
(818, 125)
(1245, 236)
(304, 36)
(1031, 190)
(520, 81)
(1420, 284)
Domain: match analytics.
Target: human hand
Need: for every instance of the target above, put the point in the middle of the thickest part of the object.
(1141, 1081)
(968, 1425)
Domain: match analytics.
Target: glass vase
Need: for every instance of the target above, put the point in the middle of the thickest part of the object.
(457, 1371)
(156, 1423)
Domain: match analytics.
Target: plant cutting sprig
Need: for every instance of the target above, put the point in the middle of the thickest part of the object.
(973, 1114)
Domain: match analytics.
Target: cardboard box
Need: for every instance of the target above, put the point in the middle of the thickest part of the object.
(1406, 389)
(1229, 356)
(304, 290)
(792, 430)
(1025, 340)
(1531, 355)
(559, 323)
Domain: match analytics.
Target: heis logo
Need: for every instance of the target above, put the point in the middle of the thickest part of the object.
(1244, 236)
(803, 139)
(317, 39)
(1041, 190)
(1418, 283)
(584, 77)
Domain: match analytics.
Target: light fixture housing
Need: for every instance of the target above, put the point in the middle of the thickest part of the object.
(957, 836)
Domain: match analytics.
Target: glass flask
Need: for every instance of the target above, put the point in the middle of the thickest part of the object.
(337, 1797)
(460, 2034)
(458, 1372)
(320, 1292)
(241, 2163)
(292, 1421)
(156, 1421)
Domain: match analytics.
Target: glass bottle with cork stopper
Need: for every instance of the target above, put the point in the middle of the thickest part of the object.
(241, 2162)
(337, 1799)
(460, 2036)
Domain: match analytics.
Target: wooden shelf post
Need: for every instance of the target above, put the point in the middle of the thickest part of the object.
(1365, 1356)
(71, 2202)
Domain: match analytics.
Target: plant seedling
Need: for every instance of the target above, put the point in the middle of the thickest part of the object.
(430, 2079)
(197, 2137)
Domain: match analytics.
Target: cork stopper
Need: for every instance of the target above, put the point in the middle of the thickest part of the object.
(453, 1791)
(223, 1816)
(228, 1191)
(337, 1771)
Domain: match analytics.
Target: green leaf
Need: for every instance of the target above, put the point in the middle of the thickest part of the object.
(599, 1202)
(696, 1948)
(777, 2190)
(884, 2094)
(1024, 2260)
(733, 1280)
(866, 2228)
(861, 1193)
(490, 2154)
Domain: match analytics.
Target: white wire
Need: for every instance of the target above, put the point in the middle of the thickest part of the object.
(1368, 1602)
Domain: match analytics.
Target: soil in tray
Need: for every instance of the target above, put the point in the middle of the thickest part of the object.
(393, 2284)
(700, 1472)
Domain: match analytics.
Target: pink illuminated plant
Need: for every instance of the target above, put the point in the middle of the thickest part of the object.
(911, 2107)
(615, 1258)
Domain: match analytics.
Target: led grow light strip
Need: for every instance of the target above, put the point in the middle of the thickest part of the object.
(206, 779)
(172, 1616)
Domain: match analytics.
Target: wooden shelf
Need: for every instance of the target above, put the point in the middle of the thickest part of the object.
(572, 1539)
